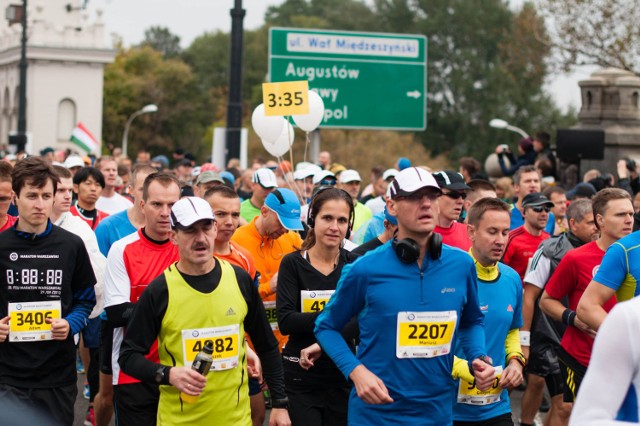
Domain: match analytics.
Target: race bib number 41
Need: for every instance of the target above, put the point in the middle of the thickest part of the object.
(425, 334)
(224, 340)
(315, 301)
(28, 323)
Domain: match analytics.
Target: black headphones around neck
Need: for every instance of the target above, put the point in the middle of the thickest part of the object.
(408, 249)
(343, 195)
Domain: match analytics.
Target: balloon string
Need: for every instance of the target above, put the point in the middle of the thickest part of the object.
(307, 143)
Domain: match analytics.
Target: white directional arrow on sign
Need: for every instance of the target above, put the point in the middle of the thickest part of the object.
(415, 94)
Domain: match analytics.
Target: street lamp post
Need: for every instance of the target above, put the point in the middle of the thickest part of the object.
(498, 123)
(145, 110)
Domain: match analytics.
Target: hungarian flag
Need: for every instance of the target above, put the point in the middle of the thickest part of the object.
(84, 139)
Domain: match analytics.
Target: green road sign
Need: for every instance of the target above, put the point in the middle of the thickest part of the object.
(366, 80)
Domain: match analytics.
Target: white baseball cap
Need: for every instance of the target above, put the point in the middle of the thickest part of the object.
(409, 181)
(73, 161)
(265, 177)
(189, 210)
(306, 172)
(350, 175)
(321, 175)
(389, 173)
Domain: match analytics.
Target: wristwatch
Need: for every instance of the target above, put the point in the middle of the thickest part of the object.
(161, 377)
(280, 403)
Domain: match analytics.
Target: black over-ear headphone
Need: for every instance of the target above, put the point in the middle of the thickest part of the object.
(408, 249)
(343, 195)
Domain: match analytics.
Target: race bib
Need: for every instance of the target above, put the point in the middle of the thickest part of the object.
(425, 334)
(27, 322)
(270, 309)
(224, 340)
(468, 393)
(315, 301)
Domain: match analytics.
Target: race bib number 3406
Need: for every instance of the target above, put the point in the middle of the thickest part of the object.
(425, 334)
(28, 320)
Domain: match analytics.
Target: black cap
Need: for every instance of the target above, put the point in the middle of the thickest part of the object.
(536, 199)
(583, 189)
(450, 180)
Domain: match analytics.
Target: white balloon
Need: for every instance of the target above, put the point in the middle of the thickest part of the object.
(267, 127)
(282, 144)
(309, 122)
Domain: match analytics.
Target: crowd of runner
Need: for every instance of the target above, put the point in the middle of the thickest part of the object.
(412, 296)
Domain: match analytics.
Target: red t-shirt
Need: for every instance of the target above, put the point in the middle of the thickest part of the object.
(456, 235)
(521, 246)
(11, 220)
(571, 278)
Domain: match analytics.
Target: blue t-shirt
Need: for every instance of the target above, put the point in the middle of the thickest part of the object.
(620, 267)
(501, 302)
(113, 228)
(382, 291)
(517, 220)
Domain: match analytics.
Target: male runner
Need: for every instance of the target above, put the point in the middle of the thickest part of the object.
(45, 297)
(196, 299)
(269, 237)
(573, 275)
(400, 293)
(110, 201)
(133, 262)
(87, 184)
(500, 296)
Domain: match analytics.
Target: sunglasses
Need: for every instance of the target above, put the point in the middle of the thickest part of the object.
(540, 209)
(419, 195)
(455, 195)
(327, 182)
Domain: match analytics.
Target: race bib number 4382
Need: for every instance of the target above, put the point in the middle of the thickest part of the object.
(425, 334)
(28, 320)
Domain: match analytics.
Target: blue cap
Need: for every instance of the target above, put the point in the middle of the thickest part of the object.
(391, 219)
(403, 163)
(285, 204)
(228, 176)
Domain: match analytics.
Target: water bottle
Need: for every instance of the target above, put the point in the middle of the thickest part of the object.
(201, 364)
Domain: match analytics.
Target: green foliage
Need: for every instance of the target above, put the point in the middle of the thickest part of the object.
(162, 40)
(141, 76)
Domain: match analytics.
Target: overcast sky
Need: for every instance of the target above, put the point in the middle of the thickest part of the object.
(191, 18)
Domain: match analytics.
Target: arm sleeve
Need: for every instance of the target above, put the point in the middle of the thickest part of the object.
(346, 302)
(614, 362)
(613, 268)
(264, 342)
(143, 331)
(290, 319)
(471, 329)
(461, 370)
(512, 343)
(83, 294)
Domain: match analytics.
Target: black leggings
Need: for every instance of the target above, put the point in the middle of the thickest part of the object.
(318, 407)
(503, 420)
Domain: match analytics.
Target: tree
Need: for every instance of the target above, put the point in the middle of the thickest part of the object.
(141, 76)
(162, 40)
(604, 33)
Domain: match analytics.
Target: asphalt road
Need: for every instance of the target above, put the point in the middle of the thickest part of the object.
(82, 404)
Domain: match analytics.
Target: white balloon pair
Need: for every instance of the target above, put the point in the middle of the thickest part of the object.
(277, 133)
